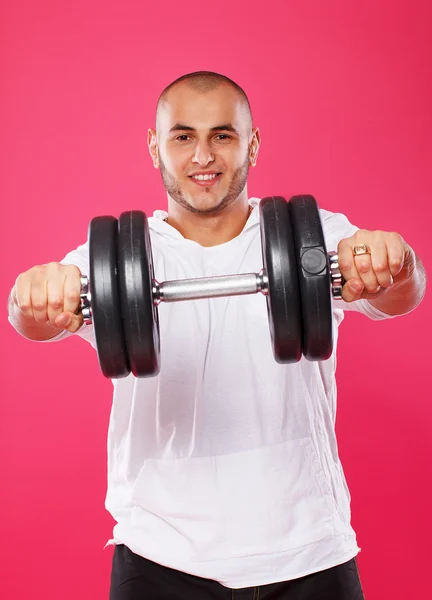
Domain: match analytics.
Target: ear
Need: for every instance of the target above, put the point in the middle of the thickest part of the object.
(254, 146)
(153, 147)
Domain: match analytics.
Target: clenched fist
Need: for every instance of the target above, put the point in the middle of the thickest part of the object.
(384, 260)
(50, 294)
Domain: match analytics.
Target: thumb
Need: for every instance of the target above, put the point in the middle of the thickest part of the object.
(69, 321)
(352, 290)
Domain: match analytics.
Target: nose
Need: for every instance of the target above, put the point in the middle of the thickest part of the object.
(202, 155)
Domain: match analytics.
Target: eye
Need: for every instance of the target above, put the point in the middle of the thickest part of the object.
(182, 138)
(223, 137)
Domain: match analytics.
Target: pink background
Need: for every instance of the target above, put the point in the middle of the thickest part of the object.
(342, 93)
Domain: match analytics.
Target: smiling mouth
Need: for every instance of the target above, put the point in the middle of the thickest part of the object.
(206, 180)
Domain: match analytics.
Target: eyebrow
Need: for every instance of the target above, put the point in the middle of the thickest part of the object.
(224, 127)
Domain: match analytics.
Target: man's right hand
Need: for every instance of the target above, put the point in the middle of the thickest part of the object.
(47, 296)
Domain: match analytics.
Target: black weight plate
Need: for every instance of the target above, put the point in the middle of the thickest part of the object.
(136, 275)
(105, 300)
(314, 277)
(283, 299)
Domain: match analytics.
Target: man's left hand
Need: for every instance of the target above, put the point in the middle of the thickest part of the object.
(384, 260)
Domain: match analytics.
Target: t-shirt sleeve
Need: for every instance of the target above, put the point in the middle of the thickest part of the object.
(337, 227)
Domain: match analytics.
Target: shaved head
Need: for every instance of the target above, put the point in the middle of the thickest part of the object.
(204, 144)
(203, 82)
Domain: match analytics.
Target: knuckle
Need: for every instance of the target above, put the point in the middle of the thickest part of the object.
(39, 305)
(380, 268)
(23, 305)
(26, 309)
(53, 266)
(344, 263)
(38, 270)
(363, 266)
(54, 272)
(73, 295)
(35, 275)
(72, 270)
(395, 262)
(56, 302)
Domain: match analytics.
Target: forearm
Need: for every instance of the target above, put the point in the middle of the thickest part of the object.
(403, 296)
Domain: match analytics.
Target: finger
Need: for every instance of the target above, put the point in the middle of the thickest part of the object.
(395, 253)
(363, 264)
(353, 287)
(55, 287)
(72, 299)
(72, 291)
(346, 263)
(22, 295)
(39, 300)
(69, 321)
(380, 264)
(352, 290)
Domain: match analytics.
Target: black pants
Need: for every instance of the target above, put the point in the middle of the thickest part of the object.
(135, 578)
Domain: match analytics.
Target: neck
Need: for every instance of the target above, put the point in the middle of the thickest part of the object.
(209, 230)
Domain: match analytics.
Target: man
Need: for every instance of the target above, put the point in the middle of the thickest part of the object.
(223, 474)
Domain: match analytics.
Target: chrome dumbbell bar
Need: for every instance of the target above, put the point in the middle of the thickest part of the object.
(211, 287)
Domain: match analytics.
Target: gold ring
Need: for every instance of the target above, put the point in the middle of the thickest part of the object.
(361, 249)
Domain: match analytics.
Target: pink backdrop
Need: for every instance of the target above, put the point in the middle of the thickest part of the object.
(342, 93)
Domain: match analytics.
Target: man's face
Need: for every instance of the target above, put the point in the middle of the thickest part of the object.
(204, 145)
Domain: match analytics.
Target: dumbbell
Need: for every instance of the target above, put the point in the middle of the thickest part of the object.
(298, 278)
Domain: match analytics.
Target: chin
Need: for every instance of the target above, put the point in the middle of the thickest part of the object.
(204, 204)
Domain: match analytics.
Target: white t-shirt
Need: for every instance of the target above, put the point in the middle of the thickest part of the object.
(226, 465)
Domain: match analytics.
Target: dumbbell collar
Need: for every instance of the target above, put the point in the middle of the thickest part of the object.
(337, 281)
(85, 296)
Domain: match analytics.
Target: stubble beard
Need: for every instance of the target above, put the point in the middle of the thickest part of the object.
(236, 186)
